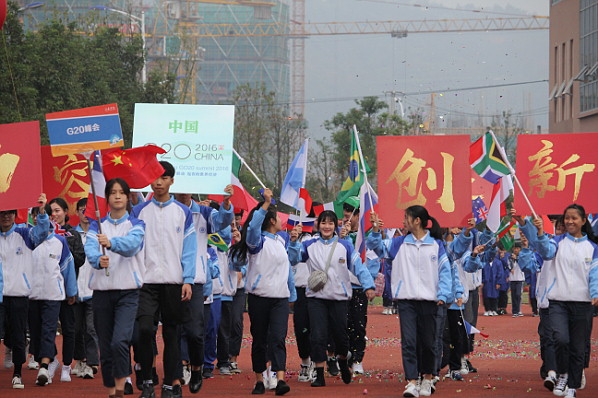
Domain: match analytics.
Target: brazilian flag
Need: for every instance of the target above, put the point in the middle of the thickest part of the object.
(354, 181)
(216, 240)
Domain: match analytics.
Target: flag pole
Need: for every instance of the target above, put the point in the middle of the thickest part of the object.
(249, 168)
(365, 174)
(95, 202)
(504, 155)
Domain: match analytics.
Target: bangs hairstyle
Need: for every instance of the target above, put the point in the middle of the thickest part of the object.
(123, 184)
(62, 203)
(327, 215)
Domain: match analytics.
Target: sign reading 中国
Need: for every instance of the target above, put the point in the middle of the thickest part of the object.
(556, 170)
(198, 140)
(431, 171)
(84, 130)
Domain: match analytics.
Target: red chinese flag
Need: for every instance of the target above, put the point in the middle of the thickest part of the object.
(137, 166)
(20, 165)
(431, 171)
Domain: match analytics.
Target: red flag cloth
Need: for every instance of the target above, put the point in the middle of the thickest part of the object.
(3, 10)
(305, 202)
(241, 199)
(137, 166)
(22, 216)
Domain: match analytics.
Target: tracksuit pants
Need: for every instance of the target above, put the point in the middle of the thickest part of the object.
(356, 324)
(269, 319)
(327, 316)
(86, 338)
(114, 314)
(301, 324)
(43, 321)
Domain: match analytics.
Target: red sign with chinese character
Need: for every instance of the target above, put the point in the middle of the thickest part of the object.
(556, 170)
(20, 165)
(431, 171)
(65, 177)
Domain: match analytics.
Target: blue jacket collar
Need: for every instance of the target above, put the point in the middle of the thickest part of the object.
(574, 239)
(328, 241)
(10, 231)
(427, 239)
(270, 235)
(119, 221)
(163, 204)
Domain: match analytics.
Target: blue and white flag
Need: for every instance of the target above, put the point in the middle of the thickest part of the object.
(295, 179)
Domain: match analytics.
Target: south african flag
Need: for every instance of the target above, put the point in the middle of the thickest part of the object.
(486, 159)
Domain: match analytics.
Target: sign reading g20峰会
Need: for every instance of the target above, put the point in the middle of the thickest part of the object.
(198, 140)
(84, 130)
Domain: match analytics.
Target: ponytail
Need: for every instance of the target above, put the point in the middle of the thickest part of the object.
(420, 212)
(238, 251)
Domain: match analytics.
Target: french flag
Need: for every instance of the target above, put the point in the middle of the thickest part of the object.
(367, 199)
(307, 222)
(99, 184)
(470, 329)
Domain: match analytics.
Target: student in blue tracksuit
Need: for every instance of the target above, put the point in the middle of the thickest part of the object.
(206, 220)
(213, 273)
(170, 255)
(115, 293)
(491, 276)
(270, 288)
(571, 260)
(53, 280)
(328, 307)
(419, 276)
(16, 245)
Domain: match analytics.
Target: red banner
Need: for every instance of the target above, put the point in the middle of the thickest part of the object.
(20, 165)
(556, 170)
(431, 171)
(65, 177)
(3, 10)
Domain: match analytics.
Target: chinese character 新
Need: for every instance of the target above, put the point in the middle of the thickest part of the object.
(407, 177)
(543, 171)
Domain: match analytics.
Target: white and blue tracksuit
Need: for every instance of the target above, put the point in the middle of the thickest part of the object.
(52, 280)
(16, 247)
(328, 307)
(572, 263)
(170, 261)
(212, 308)
(270, 288)
(418, 274)
(116, 296)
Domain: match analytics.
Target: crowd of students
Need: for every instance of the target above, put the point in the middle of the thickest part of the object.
(192, 268)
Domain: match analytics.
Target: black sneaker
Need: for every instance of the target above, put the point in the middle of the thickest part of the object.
(471, 368)
(155, 378)
(147, 391)
(282, 388)
(128, 388)
(332, 365)
(195, 382)
(319, 381)
(177, 391)
(208, 373)
(259, 388)
(346, 373)
(138, 379)
(167, 392)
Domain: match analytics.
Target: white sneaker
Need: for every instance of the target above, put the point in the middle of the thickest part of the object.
(425, 389)
(43, 377)
(411, 390)
(269, 379)
(273, 380)
(186, 375)
(494, 313)
(8, 358)
(78, 369)
(487, 313)
(561, 385)
(306, 373)
(32, 364)
(583, 380)
(464, 368)
(357, 368)
(87, 373)
(52, 369)
(65, 374)
(17, 383)
(571, 393)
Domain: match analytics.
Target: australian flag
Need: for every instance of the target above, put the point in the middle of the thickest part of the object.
(480, 212)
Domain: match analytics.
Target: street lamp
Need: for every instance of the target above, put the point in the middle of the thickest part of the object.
(140, 21)
(31, 6)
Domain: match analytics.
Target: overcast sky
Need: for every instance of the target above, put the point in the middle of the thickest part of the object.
(352, 66)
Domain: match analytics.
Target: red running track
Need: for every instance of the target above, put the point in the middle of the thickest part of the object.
(508, 366)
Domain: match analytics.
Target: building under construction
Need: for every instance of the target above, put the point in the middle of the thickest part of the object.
(208, 69)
